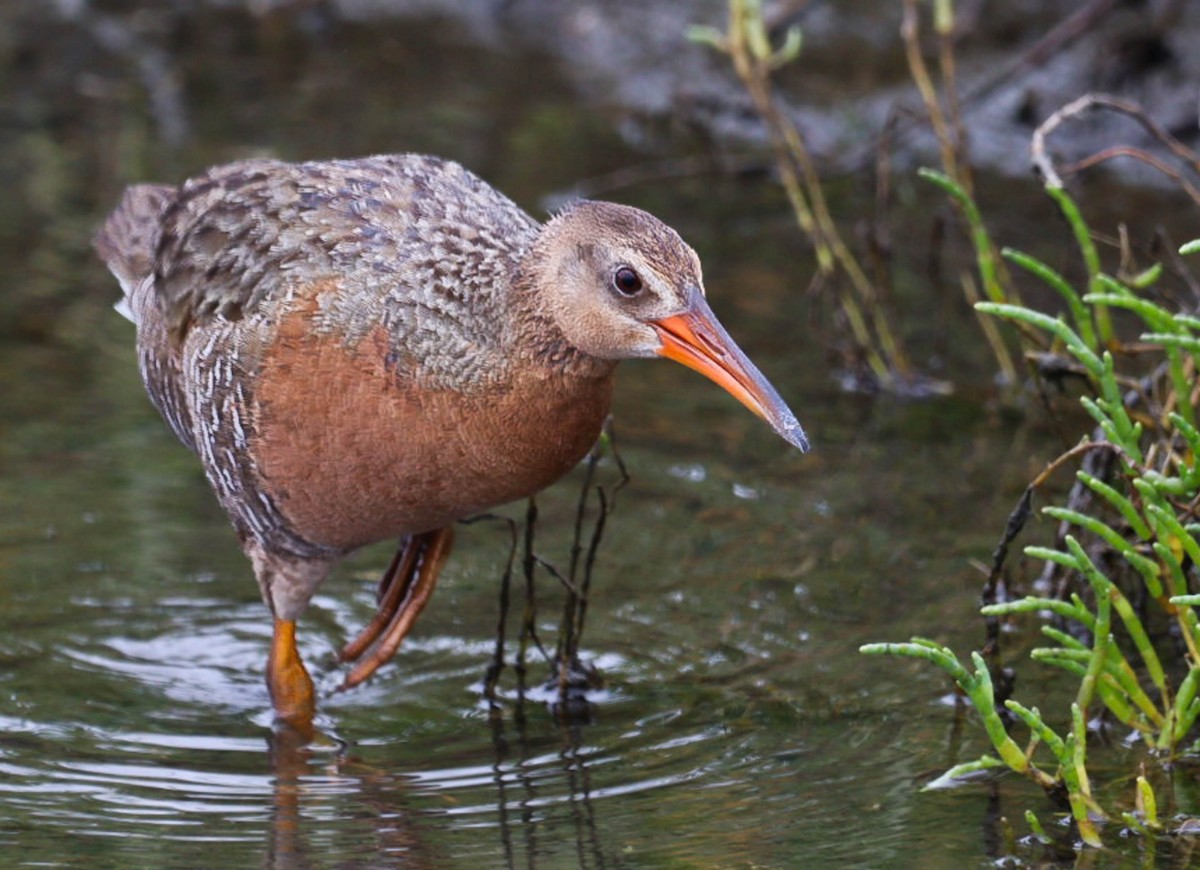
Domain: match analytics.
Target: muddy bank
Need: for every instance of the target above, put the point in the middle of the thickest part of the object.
(1017, 63)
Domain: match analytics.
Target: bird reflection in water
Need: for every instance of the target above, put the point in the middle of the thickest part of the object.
(535, 813)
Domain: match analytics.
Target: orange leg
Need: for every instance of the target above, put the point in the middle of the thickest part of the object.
(289, 683)
(406, 590)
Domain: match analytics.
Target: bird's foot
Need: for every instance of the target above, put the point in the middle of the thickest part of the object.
(393, 590)
(404, 592)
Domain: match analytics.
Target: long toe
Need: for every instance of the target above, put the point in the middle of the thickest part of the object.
(431, 548)
(393, 590)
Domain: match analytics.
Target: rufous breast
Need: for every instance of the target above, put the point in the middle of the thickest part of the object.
(352, 448)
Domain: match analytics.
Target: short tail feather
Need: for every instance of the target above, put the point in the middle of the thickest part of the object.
(129, 237)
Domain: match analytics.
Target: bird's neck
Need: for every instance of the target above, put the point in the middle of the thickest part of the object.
(538, 340)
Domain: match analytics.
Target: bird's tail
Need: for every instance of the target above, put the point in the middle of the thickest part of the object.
(128, 239)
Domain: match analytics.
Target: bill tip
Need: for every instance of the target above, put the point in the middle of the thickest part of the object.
(795, 436)
(792, 432)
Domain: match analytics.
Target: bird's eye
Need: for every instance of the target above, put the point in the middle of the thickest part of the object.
(626, 281)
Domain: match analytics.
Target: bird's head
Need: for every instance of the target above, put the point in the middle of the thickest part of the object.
(619, 283)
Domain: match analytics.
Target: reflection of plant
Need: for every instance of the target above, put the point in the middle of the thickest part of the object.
(1129, 541)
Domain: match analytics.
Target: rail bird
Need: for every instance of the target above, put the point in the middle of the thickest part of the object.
(361, 350)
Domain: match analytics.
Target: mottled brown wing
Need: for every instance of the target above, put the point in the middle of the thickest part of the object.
(414, 239)
(225, 242)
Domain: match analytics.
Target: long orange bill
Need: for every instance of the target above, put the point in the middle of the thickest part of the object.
(696, 339)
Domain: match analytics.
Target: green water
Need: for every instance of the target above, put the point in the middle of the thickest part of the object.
(738, 726)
